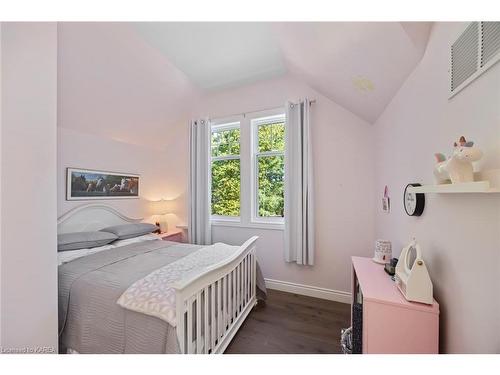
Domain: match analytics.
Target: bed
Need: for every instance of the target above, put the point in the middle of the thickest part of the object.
(146, 295)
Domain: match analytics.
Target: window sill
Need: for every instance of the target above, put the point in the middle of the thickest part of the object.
(237, 224)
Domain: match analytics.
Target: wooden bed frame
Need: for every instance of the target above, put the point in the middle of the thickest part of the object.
(210, 306)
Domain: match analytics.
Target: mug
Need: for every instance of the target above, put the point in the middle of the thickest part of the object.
(383, 251)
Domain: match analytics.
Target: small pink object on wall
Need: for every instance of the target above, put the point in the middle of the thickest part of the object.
(390, 323)
(386, 202)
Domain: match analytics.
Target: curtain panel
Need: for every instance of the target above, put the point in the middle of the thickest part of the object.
(299, 198)
(199, 229)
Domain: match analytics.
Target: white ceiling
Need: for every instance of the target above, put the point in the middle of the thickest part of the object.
(135, 81)
(218, 55)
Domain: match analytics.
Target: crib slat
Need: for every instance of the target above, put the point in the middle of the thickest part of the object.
(249, 277)
(242, 283)
(181, 322)
(189, 338)
(230, 290)
(252, 277)
(234, 294)
(230, 297)
(206, 326)
(220, 311)
(245, 281)
(233, 290)
(213, 325)
(254, 271)
(198, 323)
(224, 304)
(238, 291)
(245, 278)
(249, 281)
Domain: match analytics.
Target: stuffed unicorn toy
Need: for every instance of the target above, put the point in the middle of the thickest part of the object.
(458, 168)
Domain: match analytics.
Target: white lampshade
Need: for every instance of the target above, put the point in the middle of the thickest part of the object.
(161, 207)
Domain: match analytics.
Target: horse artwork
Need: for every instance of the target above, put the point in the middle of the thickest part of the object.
(458, 168)
(84, 184)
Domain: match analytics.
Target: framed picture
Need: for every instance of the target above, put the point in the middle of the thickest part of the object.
(86, 184)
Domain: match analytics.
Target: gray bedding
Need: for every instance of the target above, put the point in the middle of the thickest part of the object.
(90, 320)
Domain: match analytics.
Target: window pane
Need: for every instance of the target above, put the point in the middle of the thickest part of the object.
(234, 141)
(272, 137)
(226, 142)
(226, 187)
(271, 187)
(214, 144)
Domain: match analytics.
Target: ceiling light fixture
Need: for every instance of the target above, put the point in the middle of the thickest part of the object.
(363, 84)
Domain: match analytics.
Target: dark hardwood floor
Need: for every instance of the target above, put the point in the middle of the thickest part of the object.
(291, 323)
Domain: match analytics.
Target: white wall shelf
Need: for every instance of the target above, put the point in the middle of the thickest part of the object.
(467, 187)
(486, 182)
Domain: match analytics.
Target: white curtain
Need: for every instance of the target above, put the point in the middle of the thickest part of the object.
(199, 229)
(299, 202)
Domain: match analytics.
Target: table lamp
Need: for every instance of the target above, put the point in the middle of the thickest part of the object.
(161, 208)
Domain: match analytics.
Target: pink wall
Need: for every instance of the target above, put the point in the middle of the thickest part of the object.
(113, 84)
(343, 161)
(88, 151)
(28, 185)
(459, 234)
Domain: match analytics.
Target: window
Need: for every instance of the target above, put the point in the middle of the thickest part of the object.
(225, 170)
(247, 170)
(269, 166)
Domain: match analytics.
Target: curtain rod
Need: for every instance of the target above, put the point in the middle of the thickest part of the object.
(312, 101)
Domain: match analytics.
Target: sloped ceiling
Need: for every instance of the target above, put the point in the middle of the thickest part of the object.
(359, 65)
(114, 84)
(135, 81)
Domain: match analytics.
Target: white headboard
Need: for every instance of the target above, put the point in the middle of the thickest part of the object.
(90, 217)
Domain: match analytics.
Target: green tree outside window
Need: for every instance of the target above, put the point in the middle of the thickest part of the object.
(270, 169)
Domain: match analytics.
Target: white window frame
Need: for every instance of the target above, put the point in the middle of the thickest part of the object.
(255, 124)
(215, 126)
(248, 175)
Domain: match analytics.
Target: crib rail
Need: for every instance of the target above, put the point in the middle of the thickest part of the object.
(212, 306)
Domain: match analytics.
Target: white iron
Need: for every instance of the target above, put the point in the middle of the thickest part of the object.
(412, 277)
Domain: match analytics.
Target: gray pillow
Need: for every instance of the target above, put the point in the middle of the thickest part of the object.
(83, 240)
(130, 230)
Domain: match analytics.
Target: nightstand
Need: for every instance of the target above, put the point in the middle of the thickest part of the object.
(175, 236)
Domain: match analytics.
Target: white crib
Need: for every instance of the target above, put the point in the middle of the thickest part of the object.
(212, 306)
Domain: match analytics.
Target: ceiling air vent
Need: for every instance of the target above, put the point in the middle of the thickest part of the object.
(475, 50)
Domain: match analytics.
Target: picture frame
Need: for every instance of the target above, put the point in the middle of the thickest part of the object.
(90, 184)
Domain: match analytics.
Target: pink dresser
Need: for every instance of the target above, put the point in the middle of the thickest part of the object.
(388, 322)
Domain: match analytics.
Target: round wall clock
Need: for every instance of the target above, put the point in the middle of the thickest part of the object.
(414, 202)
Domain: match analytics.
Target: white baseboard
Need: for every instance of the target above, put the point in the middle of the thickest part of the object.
(308, 290)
